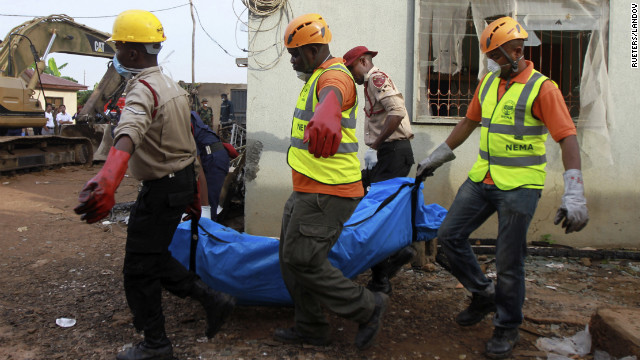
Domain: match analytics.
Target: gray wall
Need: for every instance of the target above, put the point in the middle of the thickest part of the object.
(612, 189)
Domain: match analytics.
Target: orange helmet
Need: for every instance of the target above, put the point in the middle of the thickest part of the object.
(307, 29)
(500, 32)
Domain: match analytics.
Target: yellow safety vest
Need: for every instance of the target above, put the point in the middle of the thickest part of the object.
(344, 166)
(511, 138)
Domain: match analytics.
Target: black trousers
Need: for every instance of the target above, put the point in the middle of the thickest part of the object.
(395, 159)
(148, 264)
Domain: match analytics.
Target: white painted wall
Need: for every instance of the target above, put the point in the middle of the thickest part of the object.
(612, 189)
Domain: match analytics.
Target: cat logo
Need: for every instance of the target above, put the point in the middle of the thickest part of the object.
(98, 46)
(508, 108)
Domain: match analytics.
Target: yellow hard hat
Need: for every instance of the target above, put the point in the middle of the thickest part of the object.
(139, 26)
(500, 32)
(307, 29)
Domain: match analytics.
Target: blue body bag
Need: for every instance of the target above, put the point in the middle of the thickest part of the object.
(247, 266)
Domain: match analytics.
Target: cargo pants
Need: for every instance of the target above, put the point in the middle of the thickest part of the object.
(311, 225)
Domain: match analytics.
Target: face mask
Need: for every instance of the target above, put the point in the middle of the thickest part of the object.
(124, 71)
(303, 76)
(494, 67)
(205, 105)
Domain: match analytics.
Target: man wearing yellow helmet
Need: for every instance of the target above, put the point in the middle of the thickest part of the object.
(326, 190)
(154, 137)
(515, 105)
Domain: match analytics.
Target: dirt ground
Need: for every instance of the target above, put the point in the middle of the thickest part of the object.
(54, 266)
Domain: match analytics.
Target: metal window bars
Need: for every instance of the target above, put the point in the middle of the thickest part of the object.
(446, 94)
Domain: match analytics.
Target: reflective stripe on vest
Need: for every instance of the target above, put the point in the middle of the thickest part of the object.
(344, 166)
(511, 139)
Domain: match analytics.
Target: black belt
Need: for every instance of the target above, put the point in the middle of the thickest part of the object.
(211, 148)
(50, 127)
(189, 167)
(395, 144)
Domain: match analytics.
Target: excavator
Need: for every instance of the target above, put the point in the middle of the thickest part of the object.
(87, 140)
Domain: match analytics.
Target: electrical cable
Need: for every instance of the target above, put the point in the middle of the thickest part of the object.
(210, 37)
(95, 17)
(264, 7)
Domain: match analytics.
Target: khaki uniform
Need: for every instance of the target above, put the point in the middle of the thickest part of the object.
(163, 142)
(158, 122)
(382, 98)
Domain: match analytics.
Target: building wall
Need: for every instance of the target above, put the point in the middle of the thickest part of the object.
(69, 98)
(611, 187)
(272, 94)
(212, 92)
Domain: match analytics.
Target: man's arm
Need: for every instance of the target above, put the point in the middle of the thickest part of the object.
(461, 132)
(124, 143)
(573, 211)
(324, 130)
(325, 91)
(570, 152)
(444, 152)
(391, 124)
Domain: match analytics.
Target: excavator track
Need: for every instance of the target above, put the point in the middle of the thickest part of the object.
(25, 152)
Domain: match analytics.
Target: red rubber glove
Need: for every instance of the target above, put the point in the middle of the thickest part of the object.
(97, 196)
(233, 153)
(194, 210)
(324, 131)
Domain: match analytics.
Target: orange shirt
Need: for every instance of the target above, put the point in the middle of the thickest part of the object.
(549, 107)
(347, 88)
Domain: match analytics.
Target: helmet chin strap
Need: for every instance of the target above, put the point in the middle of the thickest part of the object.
(514, 66)
(514, 63)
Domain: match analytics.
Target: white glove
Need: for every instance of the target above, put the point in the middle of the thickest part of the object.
(439, 156)
(206, 211)
(370, 158)
(574, 206)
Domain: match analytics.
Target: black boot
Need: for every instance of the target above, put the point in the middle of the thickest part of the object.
(399, 259)
(155, 346)
(480, 306)
(367, 331)
(502, 342)
(218, 306)
(388, 268)
(379, 281)
(292, 336)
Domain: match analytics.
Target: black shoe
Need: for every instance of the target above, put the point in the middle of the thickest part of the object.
(291, 336)
(399, 259)
(218, 306)
(480, 306)
(367, 331)
(379, 284)
(502, 342)
(388, 268)
(143, 352)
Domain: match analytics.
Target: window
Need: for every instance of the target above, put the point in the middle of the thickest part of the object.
(450, 63)
(55, 101)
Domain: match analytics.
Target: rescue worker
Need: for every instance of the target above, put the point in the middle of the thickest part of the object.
(326, 189)
(226, 111)
(154, 137)
(206, 113)
(214, 156)
(387, 132)
(515, 105)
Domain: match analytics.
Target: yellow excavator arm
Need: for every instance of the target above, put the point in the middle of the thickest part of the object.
(50, 34)
(31, 43)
